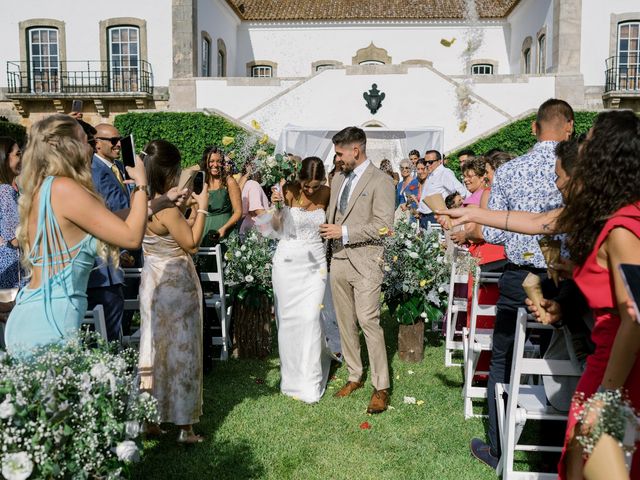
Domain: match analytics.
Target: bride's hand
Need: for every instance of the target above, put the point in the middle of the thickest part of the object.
(276, 195)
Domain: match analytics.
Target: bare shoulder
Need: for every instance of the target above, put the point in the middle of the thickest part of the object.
(69, 190)
(231, 183)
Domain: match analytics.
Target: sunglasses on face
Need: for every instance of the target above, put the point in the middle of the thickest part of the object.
(114, 140)
(430, 162)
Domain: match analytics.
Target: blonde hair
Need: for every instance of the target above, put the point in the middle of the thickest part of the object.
(54, 149)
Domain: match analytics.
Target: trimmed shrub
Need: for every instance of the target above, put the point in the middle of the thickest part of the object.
(517, 137)
(13, 130)
(191, 132)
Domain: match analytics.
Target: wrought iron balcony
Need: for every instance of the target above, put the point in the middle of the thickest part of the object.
(78, 78)
(623, 74)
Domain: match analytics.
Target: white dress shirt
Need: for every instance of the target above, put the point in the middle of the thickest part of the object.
(357, 172)
(442, 181)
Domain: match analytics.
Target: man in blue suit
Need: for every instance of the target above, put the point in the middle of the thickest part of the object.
(106, 282)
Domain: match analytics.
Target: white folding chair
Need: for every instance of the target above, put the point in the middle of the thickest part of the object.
(455, 305)
(476, 340)
(527, 402)
(132, 304)
(95, 317)
(217, 300)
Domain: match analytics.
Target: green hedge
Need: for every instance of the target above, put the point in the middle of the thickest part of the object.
(13, 130)
(190, 132)
(517, 137)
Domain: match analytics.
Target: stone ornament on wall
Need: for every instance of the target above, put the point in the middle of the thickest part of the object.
(371, 53)
(374, 98)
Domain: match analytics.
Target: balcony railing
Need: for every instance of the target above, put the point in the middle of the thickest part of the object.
(623, 73)
(78, 77)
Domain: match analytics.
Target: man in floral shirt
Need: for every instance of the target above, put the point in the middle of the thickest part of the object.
(526, 183)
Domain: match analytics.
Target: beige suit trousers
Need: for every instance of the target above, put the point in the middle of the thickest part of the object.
(356, 299)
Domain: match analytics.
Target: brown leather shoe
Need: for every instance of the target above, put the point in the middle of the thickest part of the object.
(348, 389)
(379, 401)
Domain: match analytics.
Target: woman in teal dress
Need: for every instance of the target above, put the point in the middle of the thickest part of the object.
(225, 203)
(63, 226)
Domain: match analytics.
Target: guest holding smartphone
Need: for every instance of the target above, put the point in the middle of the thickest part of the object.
(171, 300)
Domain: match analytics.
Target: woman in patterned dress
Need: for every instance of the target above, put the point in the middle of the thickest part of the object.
(10, 163)
(171, 301)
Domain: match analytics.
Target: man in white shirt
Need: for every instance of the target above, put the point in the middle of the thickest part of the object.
(439, 180)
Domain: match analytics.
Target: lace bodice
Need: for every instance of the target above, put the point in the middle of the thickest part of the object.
(300, 224)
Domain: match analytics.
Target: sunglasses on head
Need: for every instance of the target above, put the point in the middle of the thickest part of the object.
(114, 140)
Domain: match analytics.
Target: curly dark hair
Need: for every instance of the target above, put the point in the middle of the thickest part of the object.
(605, 179)
(204, 165)
(478, 166)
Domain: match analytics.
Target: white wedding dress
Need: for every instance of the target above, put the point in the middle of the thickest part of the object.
(299, 285)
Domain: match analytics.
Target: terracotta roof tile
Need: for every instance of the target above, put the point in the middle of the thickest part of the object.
(366, 9)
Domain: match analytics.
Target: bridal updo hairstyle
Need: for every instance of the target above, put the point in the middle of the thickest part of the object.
(162, 165)
(312, 168)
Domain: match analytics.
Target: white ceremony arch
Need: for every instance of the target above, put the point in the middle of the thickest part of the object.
(394, 144)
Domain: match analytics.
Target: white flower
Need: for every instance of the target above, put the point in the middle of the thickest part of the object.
(408, 243)
(99, 371)
(85, 382)
(423, 314)
(248, 278)
(413, 255)
(271, 162)
(238, 254)
(7, 409)
(132, 429)
(127, 451)
(243, 248)
(16, 466)
(387, 268)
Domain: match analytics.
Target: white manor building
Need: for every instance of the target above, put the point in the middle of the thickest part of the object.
(309, 62)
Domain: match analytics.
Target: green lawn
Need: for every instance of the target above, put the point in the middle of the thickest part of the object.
(255, 432)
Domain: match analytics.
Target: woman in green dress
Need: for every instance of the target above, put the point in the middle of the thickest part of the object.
(225, 204)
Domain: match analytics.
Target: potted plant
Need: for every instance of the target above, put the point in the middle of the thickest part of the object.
(247, 272)
(415, 286)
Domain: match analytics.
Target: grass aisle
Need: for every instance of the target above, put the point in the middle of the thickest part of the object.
(255, 432)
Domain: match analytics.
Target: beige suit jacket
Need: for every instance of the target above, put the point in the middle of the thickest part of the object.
(370, 209)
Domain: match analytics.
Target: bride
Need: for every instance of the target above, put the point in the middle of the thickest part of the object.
(299, 283)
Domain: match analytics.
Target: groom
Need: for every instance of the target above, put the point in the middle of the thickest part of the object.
(361, 207)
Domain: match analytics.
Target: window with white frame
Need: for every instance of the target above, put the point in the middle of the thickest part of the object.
(261, 71)
(629, 55)
(325, 66)
(371, 62)
(44, 59)
(206, 57)
(542, 54)
(124, 58)
(482, 69)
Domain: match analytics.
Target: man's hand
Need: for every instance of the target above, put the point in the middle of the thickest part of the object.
(553, 309)
(126, 260)
(330, 231)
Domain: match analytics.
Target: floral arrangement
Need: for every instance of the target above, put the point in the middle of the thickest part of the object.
(71, 411)
(248, 264)
(607, 413)
(275, 168)
(416, 273)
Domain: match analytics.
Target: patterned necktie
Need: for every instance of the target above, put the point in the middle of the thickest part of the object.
(116, 171)
(344, 196)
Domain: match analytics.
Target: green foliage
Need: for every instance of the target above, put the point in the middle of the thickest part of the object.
(13, 130)
(191, 132)
(517, 137)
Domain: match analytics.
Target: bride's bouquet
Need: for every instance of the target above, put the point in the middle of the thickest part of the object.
(416, 274)
(275, 168)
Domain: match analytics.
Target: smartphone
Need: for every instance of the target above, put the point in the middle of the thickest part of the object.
(76, 106)
(128, 150)
(198, 183)
(631, 278)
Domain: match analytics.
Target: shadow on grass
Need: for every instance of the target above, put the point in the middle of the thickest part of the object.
(447, 382)
(224, 388)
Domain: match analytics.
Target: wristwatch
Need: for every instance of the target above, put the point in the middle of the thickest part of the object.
(142, 188)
